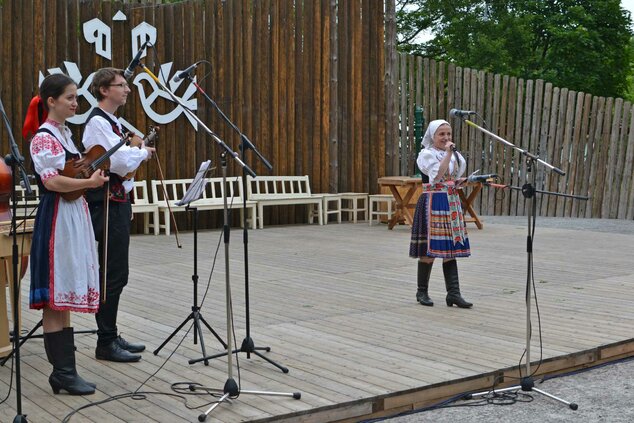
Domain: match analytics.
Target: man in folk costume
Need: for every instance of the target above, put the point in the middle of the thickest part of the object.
(103, 128)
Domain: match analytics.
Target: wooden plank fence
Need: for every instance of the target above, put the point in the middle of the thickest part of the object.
(320, 89)
(590, 138)
(304, 80)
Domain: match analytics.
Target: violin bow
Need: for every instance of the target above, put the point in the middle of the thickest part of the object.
(169, 208)
(106, 224)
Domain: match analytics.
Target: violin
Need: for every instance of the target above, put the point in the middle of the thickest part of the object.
(96, 157)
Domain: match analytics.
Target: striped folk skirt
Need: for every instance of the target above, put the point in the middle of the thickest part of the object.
(433, 234)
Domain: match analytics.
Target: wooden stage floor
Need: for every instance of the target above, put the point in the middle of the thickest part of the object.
(336, 305)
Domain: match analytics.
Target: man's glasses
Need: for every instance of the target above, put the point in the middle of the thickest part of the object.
(121, 84)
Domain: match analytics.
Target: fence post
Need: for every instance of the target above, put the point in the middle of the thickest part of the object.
(419, 122)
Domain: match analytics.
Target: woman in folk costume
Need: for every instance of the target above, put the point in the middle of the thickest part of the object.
(64, 261)
(439, 228)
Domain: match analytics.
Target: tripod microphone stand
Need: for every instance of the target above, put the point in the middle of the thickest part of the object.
(15, 161)
(527, 383)
(231, 388)
(195, 190)
(247, 346)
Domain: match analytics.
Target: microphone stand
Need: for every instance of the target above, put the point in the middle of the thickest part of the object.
(248, 346)
(15, 160)
(528, 190)
(231, 389)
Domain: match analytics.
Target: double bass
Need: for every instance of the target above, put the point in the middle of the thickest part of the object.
(6, 255)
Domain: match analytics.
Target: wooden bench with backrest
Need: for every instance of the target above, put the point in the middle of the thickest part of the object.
(211, 199)
(281, 191)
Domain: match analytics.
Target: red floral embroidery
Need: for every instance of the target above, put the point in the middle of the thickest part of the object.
(43, 142)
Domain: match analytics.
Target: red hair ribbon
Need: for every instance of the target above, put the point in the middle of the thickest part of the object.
(35, 115)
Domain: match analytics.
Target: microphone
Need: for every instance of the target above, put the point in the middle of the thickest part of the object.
(460, 113)
(186, 73)
(135, 62)
(481, 178)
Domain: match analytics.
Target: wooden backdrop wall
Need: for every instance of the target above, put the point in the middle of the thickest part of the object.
(302, 78)
(591, 138)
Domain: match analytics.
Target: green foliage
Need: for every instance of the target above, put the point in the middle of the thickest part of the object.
(583, 45)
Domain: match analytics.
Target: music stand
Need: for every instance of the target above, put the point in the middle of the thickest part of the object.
(194, 192)
(527, 383)
(231, 389)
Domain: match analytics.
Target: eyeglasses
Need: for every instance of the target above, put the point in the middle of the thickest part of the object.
(121, 84)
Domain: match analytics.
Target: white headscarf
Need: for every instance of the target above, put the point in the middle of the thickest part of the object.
(428, 139)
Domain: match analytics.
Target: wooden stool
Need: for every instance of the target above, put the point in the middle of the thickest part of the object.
(379, 199)
(331, 204)
(353, 207)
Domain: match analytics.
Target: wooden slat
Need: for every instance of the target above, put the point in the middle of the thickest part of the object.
(526, 122)
(598, 104)
(620, 161)
(566, 156)
(611, 170)
(575, 152)
(601, 156)
(627, 187)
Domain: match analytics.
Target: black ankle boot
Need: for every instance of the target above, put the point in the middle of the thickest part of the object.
(424, 272)
(60, 350)
(450, 270)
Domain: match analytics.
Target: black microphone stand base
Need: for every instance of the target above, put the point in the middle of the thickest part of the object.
(232, 391)
(198, 333)
(20, 418)
(527, 384)
(247, 347)
(31, 335)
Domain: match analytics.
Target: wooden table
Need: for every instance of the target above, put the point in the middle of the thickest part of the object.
(406, 203)
(6, 278)
(467, 203)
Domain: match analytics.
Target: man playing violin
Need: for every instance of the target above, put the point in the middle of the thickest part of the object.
(103, 128)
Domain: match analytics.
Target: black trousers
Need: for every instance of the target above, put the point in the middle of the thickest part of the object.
(117, 266)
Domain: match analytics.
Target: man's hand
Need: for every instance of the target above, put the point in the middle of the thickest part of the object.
(150, 151)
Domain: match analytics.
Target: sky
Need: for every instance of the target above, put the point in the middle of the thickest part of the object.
(628, 5)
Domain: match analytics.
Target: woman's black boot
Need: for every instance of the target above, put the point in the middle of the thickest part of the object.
(60, 350)
(450, 270)
(424, 272)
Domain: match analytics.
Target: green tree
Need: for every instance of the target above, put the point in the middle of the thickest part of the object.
(579, 44)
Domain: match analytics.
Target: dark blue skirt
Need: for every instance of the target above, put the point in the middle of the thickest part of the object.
(40, 259)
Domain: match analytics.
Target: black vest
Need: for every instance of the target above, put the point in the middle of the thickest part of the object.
(117, 191)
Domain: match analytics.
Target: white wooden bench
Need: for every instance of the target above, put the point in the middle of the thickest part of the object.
(212, 198)
(281, 191)
(142, 204)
